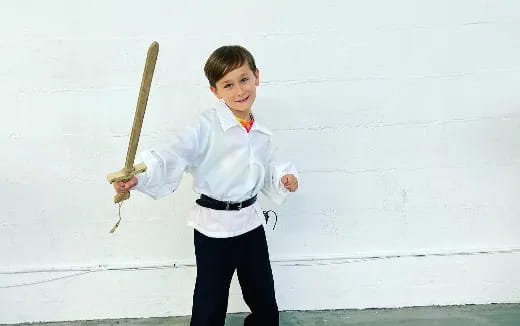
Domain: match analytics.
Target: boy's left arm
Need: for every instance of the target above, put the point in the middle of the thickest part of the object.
(281, 177)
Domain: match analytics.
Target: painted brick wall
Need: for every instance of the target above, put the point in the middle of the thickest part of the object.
(402, 116)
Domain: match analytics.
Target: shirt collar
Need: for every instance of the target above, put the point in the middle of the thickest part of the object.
(228, 120)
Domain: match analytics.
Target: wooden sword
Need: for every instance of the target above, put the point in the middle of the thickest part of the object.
(130, 169)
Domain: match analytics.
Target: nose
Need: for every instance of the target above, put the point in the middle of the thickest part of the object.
(240, 89)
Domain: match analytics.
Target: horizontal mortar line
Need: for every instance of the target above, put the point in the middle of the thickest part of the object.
(440, 26)
(339, 127)
(87, 89)
(403, 168)
(478, 22)
(152, 134)
(145, 38)
(290, 82)
(375, 125)
(387, 28)
(346, 171)
(284, 261)
(155, 85)
(310, 81)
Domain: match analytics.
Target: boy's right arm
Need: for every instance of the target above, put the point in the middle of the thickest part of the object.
(166, 164)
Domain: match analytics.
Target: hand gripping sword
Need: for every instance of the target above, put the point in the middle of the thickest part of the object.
(130, 169)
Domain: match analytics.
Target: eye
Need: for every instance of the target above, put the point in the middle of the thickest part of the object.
(228, 85)
(243, 80)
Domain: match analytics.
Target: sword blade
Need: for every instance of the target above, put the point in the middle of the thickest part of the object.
(140, 109)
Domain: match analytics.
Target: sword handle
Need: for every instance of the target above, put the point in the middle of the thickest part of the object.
(120, 197)
(124, 175)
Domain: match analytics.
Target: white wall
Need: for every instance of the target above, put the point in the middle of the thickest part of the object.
(403, 117)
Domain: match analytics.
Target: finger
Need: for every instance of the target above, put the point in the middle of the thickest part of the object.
(130, 184)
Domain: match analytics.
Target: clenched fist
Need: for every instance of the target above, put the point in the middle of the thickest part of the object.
(125, 186)
(290, 182)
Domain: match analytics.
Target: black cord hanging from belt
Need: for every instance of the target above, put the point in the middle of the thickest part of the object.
(266, 215)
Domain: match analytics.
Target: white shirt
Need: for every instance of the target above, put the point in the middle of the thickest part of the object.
(227, 164)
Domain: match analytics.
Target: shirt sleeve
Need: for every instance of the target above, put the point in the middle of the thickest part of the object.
(274, 171)
(166, 164)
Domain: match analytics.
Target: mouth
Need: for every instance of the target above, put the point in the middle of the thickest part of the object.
(242, 100)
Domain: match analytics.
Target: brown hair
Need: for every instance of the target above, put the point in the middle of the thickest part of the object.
(225, 59)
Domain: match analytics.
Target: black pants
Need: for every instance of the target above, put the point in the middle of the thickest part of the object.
(217, 259)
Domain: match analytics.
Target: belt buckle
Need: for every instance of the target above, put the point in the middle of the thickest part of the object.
(228, 204)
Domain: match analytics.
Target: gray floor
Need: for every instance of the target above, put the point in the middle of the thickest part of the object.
(472, 315)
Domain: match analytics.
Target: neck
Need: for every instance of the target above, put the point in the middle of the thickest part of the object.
(244, 115)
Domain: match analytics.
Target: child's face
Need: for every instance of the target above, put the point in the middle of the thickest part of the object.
(238, 89)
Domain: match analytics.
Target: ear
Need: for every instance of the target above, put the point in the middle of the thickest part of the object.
(215, 91)
(257, 77)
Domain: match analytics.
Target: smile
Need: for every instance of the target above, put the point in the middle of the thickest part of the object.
(243, 100)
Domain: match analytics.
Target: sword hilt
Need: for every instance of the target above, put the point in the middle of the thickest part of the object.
(120, 197)
(125, 175)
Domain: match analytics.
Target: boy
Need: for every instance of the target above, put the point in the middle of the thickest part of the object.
(231, 158)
